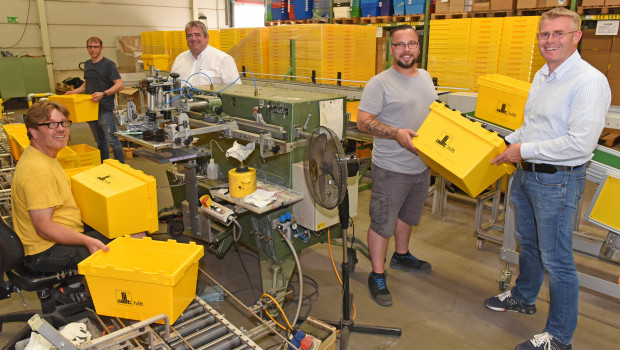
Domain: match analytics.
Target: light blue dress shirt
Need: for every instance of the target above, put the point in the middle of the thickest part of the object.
(564, 114)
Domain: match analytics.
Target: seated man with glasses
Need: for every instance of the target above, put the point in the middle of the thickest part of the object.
(45, 215)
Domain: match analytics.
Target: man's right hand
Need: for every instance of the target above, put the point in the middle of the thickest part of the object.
(404, 136)
(94, 245)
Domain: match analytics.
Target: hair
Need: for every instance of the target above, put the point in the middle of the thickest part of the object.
(198, 24)
(562, 12)
(41, 111)
(401, 27)
(94, 39)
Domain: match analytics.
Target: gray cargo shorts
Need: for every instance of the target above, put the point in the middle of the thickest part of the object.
(396, 196)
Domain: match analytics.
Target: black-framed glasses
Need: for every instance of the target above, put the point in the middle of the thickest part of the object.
(55, 125)
(411, 45)
(554, 35)
(93, 47)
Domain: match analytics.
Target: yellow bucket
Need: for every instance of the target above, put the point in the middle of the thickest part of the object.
(240, 184)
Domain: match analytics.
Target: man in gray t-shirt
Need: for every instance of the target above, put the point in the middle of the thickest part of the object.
(393, 106)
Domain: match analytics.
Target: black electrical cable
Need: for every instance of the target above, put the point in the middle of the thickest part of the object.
(25, 26)
(245, 270)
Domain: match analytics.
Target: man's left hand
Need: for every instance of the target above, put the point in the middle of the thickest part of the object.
(404, 137)
(97, 96)
(512, 154)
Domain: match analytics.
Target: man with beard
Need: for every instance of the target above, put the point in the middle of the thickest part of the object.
(393, 106)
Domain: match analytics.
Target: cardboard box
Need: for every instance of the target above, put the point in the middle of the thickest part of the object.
(615, 44)
(597, 58)
(554, 3)
(593, 3)
(530, 4)
(500, 5)
(613, 72)
(128, 53)
(614, 84)
(133, 94)
(481, 6)
(457, 6)
(591, 41)
(442, 6)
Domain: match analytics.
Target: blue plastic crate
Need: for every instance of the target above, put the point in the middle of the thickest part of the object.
(414, 9)
(399, 10)
(302, 9)
(386, 8)
(370, 11)
(369, 3)
(279, 15)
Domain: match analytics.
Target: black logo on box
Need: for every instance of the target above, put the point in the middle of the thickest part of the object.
(504, 108)
(123, 297)
(444, 140)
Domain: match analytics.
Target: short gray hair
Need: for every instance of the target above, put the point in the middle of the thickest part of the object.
(198, 24)
(562, 12)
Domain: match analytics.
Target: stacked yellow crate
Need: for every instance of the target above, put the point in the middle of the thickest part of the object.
(448, 52)
(358, 64)
(252, 52)
(519, 56)
(178, 44)
(214, 38)
(484, 46)
(280, 49)
(155, 49)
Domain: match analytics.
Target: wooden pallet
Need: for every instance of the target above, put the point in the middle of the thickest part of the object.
(609, 137)
(532, 11)
(596, 10)
(449, 15)
(505, 13)
(408, 18)
(379, 19)
(353, 20)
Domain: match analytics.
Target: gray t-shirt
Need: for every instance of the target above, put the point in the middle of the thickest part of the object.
(402, 102)
(99, 77)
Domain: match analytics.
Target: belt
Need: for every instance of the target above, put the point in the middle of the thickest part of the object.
(547, 168)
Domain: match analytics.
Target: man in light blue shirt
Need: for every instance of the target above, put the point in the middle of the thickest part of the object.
(563, 119)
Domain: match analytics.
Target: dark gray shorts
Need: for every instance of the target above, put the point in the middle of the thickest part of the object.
(396, 196)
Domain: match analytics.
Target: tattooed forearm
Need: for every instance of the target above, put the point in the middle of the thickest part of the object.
(377, 128)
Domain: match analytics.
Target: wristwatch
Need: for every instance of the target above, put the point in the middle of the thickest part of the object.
(104, 94)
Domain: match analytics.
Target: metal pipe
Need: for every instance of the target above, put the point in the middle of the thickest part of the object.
(195, 324)
(198, 105)
(227, 342)
(201, 337)
(193, 310)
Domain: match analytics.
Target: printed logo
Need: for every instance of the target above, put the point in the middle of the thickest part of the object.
(504, 108)
(124, 297)
(444, 140)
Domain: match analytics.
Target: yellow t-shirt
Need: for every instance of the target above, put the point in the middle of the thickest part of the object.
(39, 182)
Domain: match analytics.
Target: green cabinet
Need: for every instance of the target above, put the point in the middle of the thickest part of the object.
(20, 76)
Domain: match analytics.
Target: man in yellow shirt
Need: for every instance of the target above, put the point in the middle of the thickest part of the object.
(45, 215)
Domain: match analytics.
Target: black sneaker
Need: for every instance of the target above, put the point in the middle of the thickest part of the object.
(409, 263)
(543, 341)
(379, 290)
(505, 302)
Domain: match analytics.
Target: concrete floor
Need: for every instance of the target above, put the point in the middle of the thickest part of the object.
(440, 310)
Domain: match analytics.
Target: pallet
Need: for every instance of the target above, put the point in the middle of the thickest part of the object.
(505, 13)
(408, 18)
(449, 15)
(537, 11)
(352, 20)
(598, 10)
(379, 19)
(296, 21)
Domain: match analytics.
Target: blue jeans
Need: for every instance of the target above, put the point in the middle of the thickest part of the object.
(545, 206)
(103, 130)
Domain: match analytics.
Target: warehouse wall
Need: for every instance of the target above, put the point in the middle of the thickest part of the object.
(71, 22)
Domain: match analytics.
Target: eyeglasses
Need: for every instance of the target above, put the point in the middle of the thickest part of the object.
(554, 35)
(55, 125)
(93, 47)
(411, 45)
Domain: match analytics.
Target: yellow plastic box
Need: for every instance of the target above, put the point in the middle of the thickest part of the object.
(11, 130)
(86, 155)
(460, 150)
(116, 199)
(20, 143)
(72, 171)
(501, 100)
(81, 108)
(141, 278)
(67, 158)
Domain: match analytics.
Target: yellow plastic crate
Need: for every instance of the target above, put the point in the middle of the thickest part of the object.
(81, 108)
(20, 143)
(460, 150)
(67, 158)
(72, 171)
(159, 61)
(86, 155)
(115, 199)
(501, 100)
(141, 278)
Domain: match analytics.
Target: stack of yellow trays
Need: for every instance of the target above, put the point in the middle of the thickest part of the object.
(252, 52)
(519, 56)
(484, 46)
(214, 38)
(280, 49)
(155, 49)
(178, 44)
(448, 52)
(358, 64)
